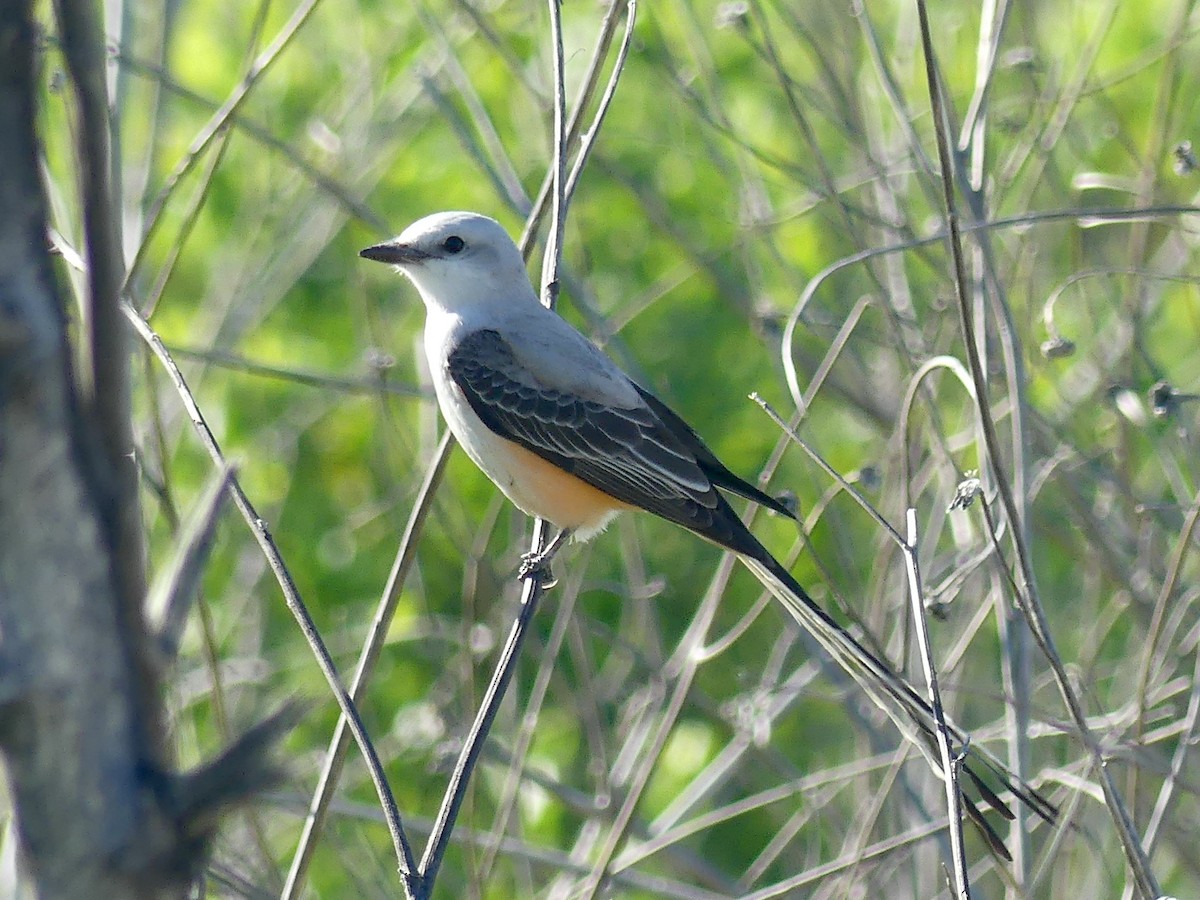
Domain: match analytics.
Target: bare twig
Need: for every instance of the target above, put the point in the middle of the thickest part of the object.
(1082, 214)
(1027, 594)
(962, 882)
(1186, 743)
(177, 586)
(335, 756)
(819, 873)
(533, 585)
(235, 362)
(829, 470)
(236, 121)
(582, 101)
(291, 595)
(610, 90)
(528, 726)
(456, 790)
(1166, 592)
(552, 258)
(108, 388)
(220, 119)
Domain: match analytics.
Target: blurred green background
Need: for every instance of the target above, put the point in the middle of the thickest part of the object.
(750, 145)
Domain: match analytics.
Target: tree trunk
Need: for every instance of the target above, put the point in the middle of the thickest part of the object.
(78, 720)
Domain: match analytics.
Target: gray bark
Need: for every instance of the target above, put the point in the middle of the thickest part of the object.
(80, 728)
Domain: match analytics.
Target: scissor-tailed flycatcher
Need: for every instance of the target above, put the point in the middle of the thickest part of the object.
(569, 438)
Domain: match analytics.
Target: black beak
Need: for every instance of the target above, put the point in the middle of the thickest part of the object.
(394, 252)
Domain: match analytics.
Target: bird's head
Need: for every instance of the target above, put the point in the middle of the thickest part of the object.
(457, 259)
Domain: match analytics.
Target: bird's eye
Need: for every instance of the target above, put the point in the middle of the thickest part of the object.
(453, 244)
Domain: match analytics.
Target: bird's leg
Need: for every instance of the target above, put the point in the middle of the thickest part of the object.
(538, 563)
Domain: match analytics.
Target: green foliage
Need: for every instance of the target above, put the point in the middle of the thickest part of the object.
(748, 149)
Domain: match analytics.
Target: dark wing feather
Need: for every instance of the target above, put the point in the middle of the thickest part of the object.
(717, 472)
(631, 454)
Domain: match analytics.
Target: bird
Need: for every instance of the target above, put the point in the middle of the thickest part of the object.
(568, 437)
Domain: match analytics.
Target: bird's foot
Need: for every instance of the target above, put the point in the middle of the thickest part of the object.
(537, 565)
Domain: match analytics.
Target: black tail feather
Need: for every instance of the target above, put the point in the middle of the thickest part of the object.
(851, 652)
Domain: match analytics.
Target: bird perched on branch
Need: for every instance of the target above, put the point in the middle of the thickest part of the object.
(569, 438)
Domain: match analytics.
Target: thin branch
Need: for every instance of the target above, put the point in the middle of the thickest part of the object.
(1086, 217)
(108, 388)
(1166, 592)
(949, 764)
(558, 206)
(178, 585)
(335, 756)
(789, 886)
(217, 124)
(829, 470)
(593, 133)
(588, 87)
(235, 362)
(456, 790)
(532, 587)
(1186, 742)
(1027, 596)
(262, 535)
(352, 205)
(527, 729)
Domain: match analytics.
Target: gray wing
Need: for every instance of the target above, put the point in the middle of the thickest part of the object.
(629, 453)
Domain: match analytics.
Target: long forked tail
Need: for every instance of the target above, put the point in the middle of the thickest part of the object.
(910, 711)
